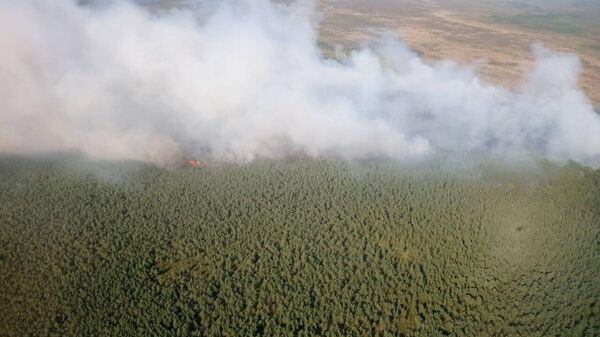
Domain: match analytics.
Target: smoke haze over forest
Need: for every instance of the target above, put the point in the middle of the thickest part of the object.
(246, 79)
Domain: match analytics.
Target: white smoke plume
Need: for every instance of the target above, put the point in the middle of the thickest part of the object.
(246, 79)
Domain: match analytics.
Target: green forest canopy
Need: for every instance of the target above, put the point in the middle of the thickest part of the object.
(297, 248)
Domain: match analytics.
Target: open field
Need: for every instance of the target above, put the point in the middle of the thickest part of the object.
(495, 35)
(298, 248)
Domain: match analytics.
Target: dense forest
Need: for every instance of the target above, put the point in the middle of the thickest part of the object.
(297, 248)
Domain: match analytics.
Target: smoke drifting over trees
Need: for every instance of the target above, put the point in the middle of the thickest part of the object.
(246, 79)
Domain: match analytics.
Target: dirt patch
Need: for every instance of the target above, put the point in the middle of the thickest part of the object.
(496, 38)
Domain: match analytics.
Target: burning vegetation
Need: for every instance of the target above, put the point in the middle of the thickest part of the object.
(195, 163)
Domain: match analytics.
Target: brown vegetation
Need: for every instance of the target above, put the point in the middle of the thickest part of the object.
(495, 35)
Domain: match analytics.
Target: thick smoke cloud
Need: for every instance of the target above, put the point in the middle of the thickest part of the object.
(246, 79)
